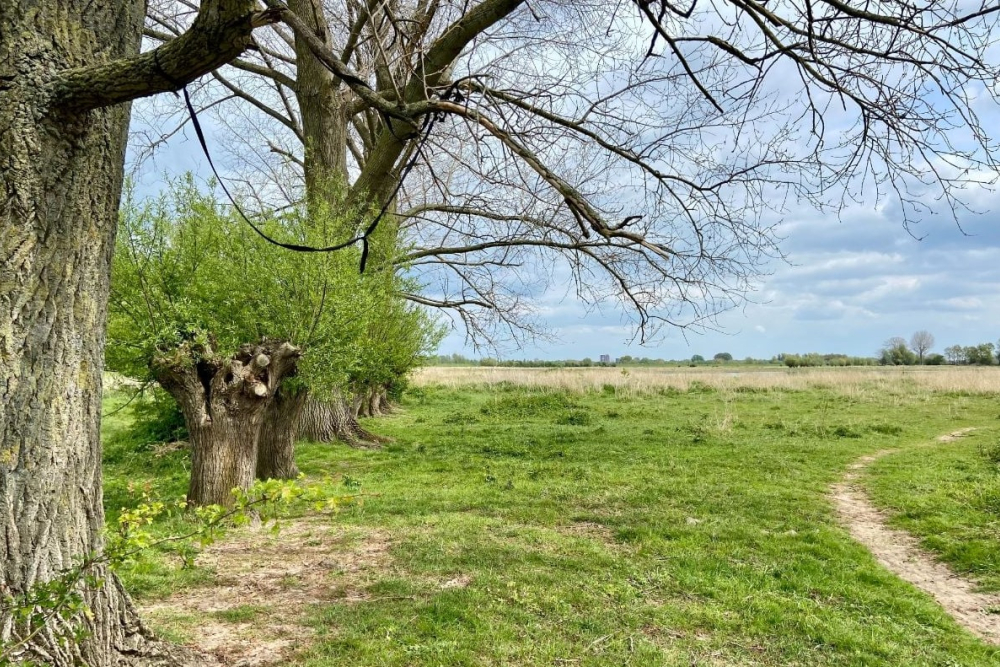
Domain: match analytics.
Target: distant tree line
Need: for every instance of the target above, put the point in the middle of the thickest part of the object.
(815, 359)
(490, 362)
(984, 354)
(896, 351)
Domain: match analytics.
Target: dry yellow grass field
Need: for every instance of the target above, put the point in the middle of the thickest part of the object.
(968, 379)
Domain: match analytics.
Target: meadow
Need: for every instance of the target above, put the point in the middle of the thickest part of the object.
(597, 517)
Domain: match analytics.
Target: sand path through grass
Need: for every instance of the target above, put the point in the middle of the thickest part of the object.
(256, 614)
(901, 553)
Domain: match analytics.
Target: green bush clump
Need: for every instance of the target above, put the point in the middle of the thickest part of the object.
(745, 389)
(991, 452)
(886, 429)
(152, 423)
(159, 419)
(156, 418)
(575, 418)
(528, 405)
(835, 431)
(459, 418)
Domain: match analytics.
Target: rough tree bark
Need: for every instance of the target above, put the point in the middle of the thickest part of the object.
(323, 110)
(334, 420)
(67, 71)
(60, 179)
(377, 402)
(323, 420)
(224, 401)
(278, 431)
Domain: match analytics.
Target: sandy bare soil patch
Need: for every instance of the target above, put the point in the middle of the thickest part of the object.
(255, 614)
(900, 553)
(589, 530)
(955, 435)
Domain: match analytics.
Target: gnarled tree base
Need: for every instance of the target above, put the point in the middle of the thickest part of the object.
(334, 420)
(113, 636)
(223, 401)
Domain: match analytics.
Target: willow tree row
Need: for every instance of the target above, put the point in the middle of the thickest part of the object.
(242, 337)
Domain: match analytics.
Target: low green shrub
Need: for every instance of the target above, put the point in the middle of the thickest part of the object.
(528, 405)
(991, 452)
(575, 418)
(459, 418)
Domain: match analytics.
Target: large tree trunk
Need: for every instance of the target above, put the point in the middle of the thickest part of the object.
(372, 401)
(223, 455)
(223, 402)
(324, 420)
(63, 126)
(60, 184)
(334, 420)
(276, 449)
(324, 113)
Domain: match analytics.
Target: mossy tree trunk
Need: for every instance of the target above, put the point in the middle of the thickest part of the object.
(68, 69)
(60, 183)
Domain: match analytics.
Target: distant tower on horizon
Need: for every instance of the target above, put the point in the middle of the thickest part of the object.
(605, 358)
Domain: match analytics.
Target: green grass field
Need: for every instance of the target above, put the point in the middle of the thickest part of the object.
(674, 527)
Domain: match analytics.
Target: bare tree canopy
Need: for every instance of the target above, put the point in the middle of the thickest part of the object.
(895, 341)
(922, 342)
(638, 152)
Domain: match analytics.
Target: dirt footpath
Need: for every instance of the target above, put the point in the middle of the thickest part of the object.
(901, 554)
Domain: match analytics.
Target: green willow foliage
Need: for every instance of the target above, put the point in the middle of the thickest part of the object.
(186, 269)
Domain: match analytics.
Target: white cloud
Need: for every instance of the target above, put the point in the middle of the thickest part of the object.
(958, 303)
